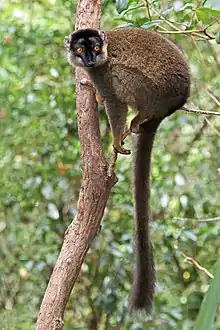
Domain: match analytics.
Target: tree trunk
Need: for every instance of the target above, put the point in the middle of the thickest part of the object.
(95, 189)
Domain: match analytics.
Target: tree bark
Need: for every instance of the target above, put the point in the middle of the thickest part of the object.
(97, 182)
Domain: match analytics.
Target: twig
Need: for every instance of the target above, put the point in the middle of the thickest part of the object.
(209, 25)
(210, 219)
(199, 132)
(212, 126)
(191, 261)
(176, 31)
(182, 31)
(203, 112)
(214, 98)
(148, 10)
(198, 220)
(180, 270)
(197, 33)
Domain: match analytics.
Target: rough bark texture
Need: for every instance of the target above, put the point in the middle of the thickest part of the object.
(96, 186)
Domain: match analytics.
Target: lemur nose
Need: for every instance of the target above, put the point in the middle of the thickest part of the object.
(91, 63)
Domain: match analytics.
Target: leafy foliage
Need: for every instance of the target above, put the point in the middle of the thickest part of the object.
(40, 171)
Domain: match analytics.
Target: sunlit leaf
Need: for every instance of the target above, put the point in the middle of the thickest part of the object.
(121, 5)
(212, 4)
(217, 38)
(210, 302)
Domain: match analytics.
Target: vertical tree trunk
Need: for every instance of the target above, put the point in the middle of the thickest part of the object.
(96, 186)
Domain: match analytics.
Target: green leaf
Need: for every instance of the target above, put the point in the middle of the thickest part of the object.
(210, 11)
(121, 5)
(125, 25)
(132, 8)
(205, 15)
(209, 305)
(213, 4)
(217, 38)
(150, 24)
(124, 19)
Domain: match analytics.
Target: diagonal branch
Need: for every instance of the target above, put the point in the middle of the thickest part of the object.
(193, 262)
(98, 179)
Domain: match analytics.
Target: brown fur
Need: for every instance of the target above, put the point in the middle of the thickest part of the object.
(141, 69)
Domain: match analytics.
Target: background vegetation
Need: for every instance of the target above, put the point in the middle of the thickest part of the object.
(40, 171)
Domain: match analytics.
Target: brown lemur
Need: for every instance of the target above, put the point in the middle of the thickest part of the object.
(141, 69)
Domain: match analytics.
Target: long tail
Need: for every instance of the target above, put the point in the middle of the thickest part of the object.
(144, 277)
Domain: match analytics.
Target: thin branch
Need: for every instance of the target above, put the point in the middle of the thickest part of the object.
(214, 98)
(198, 220)
(210, 220)
(182, 31)
(172, 25)
(209, 25)
(212, 126)
(180, 270)
(193, 262)
(176, 31)
(197, 33)
(203, 112)
(148, 10)
(198, 133)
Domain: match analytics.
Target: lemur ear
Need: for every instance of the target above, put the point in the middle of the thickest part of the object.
(67, 42)
(103, 36)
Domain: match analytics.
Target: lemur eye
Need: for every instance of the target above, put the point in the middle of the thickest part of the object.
(79, 50)
(96, 48)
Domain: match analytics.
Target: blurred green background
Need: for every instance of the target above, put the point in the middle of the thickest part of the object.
(40, 172)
